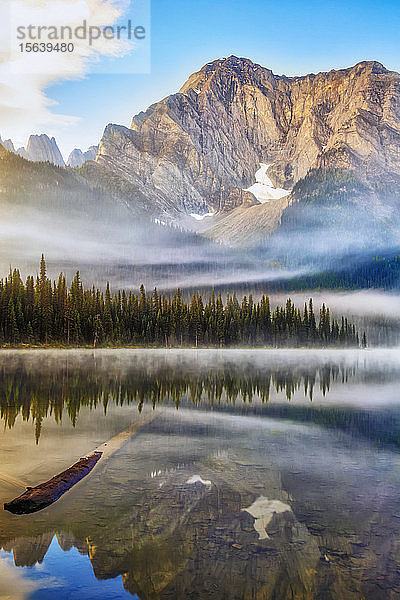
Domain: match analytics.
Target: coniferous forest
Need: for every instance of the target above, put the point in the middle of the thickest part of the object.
(40, 311)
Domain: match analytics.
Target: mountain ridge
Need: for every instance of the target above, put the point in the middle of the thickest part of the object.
(240, 155)
(196, 151)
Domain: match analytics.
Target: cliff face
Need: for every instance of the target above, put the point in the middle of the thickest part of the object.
(41, 148)
(195, 151)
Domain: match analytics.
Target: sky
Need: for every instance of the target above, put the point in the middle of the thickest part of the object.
(76, 98)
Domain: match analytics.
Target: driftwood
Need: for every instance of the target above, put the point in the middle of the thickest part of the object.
(41, 496)
(37, 498)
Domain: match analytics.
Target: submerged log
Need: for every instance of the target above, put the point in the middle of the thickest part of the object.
(41, 496)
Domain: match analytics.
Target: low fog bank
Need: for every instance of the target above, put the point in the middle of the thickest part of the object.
(367, 303)
(107, 240)
(125, 252)
(112, 245)
(96, 222)
(373, 311)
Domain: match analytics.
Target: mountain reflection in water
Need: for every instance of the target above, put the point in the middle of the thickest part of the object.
(278, 477)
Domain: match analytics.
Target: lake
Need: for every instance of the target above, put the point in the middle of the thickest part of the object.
(242, 474)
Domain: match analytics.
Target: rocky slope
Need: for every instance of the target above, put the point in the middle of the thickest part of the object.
(196, 151)
(245, 226)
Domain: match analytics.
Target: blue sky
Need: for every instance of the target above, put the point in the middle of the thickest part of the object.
(289, 37)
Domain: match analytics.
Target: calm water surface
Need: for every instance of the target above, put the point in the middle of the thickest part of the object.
(250, 474)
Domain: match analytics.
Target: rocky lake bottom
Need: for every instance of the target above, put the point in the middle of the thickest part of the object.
(262, 474)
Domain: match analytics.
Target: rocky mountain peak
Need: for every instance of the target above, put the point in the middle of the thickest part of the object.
(77, 158)
(196, 151)
(372, 66)
(41, 148)
(215, 75)
(7, 144)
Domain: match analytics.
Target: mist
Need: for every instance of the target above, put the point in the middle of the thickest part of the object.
(320, 236)
(125, 250)
(374, 311)
(130, 250)
(111, 234)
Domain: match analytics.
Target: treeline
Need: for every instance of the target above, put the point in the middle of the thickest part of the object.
(45, 312)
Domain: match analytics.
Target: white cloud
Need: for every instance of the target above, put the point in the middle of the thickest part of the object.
(13, 585)
(24, 77)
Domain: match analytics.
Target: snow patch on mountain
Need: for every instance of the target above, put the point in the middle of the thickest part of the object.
(264, 190)
(201, 217)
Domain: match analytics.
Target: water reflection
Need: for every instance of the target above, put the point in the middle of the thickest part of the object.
(35, 385)
(264, 499)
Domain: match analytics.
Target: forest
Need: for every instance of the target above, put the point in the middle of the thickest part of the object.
(42, 312)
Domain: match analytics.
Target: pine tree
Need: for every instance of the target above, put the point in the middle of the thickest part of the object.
(364, 340)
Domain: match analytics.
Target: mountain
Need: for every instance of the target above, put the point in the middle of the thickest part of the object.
(22, 152)
(197, 152)
(42, 148)
(330, 218)
(240, 174)
(77, 158)
(67, 214)
(7, 144)
(55, 191)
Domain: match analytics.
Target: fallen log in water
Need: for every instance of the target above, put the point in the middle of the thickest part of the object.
(37, 498)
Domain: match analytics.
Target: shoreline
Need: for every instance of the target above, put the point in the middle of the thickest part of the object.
(129, 347)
